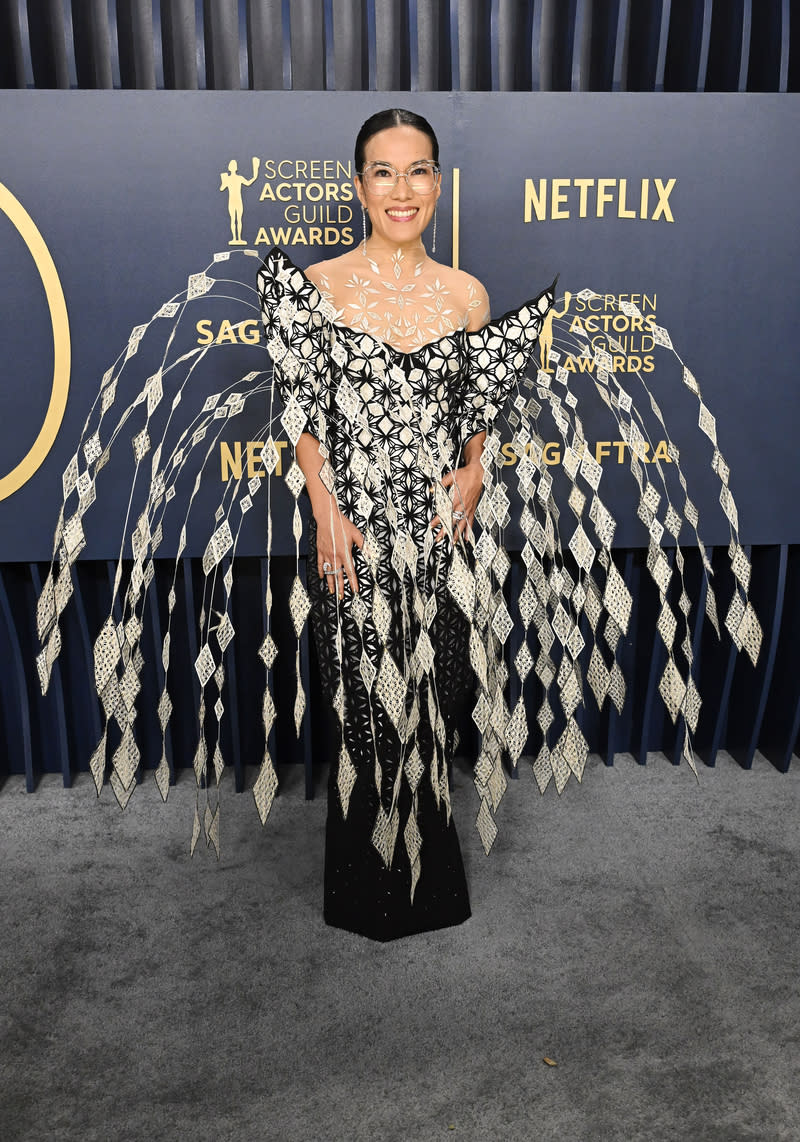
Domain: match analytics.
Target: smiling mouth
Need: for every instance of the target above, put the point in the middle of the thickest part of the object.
(402, 215)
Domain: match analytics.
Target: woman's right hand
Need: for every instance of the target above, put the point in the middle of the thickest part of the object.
(336, 537)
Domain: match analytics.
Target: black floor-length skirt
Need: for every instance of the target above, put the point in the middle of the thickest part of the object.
(362, 894)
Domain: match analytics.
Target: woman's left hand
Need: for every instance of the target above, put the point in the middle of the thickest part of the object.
(466, 484)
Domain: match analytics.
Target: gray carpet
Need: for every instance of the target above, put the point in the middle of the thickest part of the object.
(640, 931)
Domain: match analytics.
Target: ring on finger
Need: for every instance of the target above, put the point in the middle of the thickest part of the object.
(459, 515)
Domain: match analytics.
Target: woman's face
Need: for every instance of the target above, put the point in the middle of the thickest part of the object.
(401, 215)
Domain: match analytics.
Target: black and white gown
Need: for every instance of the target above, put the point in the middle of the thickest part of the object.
(431, 624)
(395, 661)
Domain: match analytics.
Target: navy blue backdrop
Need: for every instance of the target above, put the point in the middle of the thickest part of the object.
(685, 204)
(688, 204)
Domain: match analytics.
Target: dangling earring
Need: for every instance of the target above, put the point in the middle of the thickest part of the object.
(364, 230)
(433, 243)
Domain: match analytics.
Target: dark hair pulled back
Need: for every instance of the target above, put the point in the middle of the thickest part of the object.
(392, 117)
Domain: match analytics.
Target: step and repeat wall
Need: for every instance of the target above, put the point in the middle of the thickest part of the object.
(684, 205)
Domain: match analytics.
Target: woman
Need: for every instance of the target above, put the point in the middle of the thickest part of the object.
(391, 377)
(392, 412)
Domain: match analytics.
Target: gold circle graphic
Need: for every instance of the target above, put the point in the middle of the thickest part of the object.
(28, 231)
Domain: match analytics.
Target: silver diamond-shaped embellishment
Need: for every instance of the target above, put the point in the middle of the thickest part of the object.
(691, 705)
(597, 676)
(576, 500)
(672, 689)
(581, 547)
(295, 479)
(164, 709)
(573, 748)
(734, 618)
(424, 651)
(381, 614)
(74, 538)
(501, 622)
(293, 419)
(516, 733)
(198, 285)
(527, 603)
(523, 661)
(265, 787)
(481, 712)
(575, 642)
(667, 625)
(141, 444)
(543, 768)
(570, 691)
(477, 655)
(299, 706)
(672, 522)
(126, 758)
(561, 623)
(69, 478)
(267, 711)
(750, 634)
(225, 632)
(487, 829)
(501, 565)
(204, 664)
(367, 670)
(299, 605)
(616, 687)
(545, 716)
(659, 568)
(414, 769)
(707, 423)
(740, 565)
(218, 546)
(162, 777)
(391, 688)
(461, 584)
(485, 548)
(617, 599)
(268, 651)
(270, 456)
(690, 382)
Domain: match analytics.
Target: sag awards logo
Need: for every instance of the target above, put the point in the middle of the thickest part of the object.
(283, 202)
(18, 216)
(628, 339)
(290, 202)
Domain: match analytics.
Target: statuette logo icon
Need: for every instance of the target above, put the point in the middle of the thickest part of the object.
(233, 182)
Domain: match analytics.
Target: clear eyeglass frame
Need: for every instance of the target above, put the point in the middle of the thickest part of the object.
(425, 182)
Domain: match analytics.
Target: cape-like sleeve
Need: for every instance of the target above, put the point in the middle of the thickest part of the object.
(570, 596)
(295, 321)
(496, 358)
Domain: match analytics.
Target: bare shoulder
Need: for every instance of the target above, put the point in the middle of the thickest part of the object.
(471, 293)
(323, 274)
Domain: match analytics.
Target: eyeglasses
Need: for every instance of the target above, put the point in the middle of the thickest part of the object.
(381, 178)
